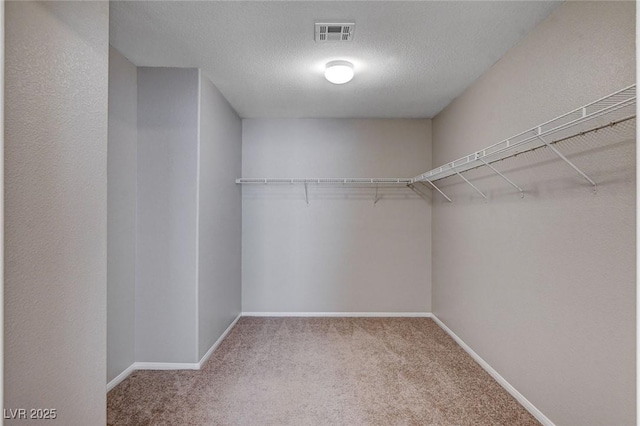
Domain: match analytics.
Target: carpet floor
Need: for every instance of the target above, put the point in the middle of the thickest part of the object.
(322, 371)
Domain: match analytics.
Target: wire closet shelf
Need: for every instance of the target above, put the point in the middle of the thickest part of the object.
(356, 181)
(607, 111)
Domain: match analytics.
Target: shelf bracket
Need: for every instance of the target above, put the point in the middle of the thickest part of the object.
(566, 160)
(438, 189)
(306, 193)
(467, 180)
(376, 199)
(503, 177)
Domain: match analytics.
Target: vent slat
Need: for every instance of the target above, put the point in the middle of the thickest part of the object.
(330, 32)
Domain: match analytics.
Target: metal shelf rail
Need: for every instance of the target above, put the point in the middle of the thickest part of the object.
(339, 181)
(607, 111)
(329, 181)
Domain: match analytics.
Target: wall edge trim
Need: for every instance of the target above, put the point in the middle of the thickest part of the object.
(120, 377)
(198, 365)
(166, 366)
(340, 314)
(197, 254)
(217, 343)
(535, 412)
(172, 365)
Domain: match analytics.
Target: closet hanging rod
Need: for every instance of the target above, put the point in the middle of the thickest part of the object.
(338, 181)
(604, 112)
(613, 107)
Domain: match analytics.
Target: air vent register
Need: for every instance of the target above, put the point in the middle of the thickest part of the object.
(334, 31)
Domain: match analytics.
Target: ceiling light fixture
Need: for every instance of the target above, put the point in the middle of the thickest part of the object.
(339, 72)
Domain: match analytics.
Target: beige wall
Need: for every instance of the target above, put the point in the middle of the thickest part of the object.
(189, 213)
(166, 317)
(543, 288)
(56, 209)
(340, 253)
(219, 215)
(121, 213)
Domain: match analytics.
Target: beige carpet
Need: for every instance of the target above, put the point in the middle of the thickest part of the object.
(322, 371)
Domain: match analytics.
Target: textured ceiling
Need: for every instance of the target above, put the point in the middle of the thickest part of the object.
(411, 58)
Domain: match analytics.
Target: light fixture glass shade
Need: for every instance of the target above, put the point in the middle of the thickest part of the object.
(339, 72)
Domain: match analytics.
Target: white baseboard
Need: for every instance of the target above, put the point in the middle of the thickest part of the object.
(120, 377)
(498, 378)
(217, 342)
(197, 365)
(171, 365)
(166, 365)
(339, 314)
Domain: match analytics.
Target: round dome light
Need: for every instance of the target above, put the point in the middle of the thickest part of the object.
(339, 72)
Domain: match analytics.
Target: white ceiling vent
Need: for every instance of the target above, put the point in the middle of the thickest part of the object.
(334, 31)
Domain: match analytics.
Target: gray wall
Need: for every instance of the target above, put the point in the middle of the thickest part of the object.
(185, 251)
(220, 214)
(543, 288)
(121, 213)
(340, 253)
(56, 209)
(166, 316)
